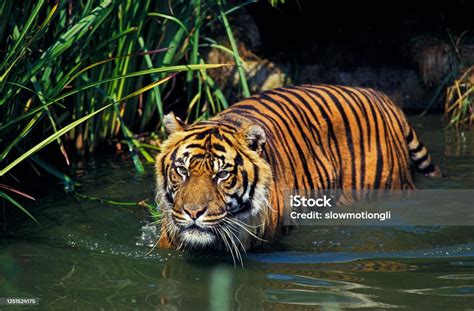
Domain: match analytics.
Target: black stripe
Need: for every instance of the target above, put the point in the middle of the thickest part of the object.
(300, 152)
(198, 156)
(255, 182)
(317, 140)
(363, 139)
(419, 161)
(218, 147)
(239, 161)
(401, 150)
(163, 170)
(198, 146)
(417, 149)
(281, 138)
(330, 132)
(380, 163)
(271, 137)
(233, 181)
(232, 121)
(363, 108)
(198, 135)
(302, 117)
(169, 197)
(429, 169)
(410, 135)
(350, 141)
(390, 136)
(227, 140)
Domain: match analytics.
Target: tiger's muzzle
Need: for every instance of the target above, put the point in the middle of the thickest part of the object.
(196, 226)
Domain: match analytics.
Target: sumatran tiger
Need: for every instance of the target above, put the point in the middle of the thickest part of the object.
(220, 182)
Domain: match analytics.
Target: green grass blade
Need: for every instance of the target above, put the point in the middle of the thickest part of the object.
(94, 84)
(171, 18)
(18, 205)
(156, 91)
(26, 28)
(146, 54)
(72, 125)
(24, 132)
(233, 44)
(65, 41)
(45, 23)
(116, 37)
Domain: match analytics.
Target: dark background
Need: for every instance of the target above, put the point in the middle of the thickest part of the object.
(356, 33)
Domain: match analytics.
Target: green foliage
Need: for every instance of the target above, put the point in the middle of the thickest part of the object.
(276, 2)
(459, 103)
(13, 202)
(66, 70)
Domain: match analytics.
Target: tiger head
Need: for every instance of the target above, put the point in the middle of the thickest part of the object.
(212, 184)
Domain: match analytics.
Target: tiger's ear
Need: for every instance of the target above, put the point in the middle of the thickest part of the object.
(173, 124)
(255, 137)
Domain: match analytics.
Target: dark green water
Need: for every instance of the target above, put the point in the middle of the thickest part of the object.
(90, 256)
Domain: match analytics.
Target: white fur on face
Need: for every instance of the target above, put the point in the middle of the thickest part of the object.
(197, 238)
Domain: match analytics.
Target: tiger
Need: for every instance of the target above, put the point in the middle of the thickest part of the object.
(221, 182)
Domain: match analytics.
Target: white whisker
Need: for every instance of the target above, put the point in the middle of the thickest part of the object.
(235, 234)
(231, 220)
(235, 247)
(224, 239)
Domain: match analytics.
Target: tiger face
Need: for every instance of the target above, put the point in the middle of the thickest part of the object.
(212, 184)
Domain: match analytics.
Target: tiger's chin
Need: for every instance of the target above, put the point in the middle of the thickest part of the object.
(197, 238)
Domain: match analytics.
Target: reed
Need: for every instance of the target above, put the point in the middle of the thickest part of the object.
(79, 73)
(459, 102)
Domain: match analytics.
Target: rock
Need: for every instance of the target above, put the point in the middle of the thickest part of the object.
(261, 74)
(436, 59)
(401, 85)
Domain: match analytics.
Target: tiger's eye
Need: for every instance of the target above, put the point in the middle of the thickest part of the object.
(222, 175)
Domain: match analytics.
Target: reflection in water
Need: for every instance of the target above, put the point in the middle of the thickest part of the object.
(445, 291)
(220, 284)
(91, 256)
(457, 277)
(327, 298)
(304, 290)
(329, 285)
(458, 143)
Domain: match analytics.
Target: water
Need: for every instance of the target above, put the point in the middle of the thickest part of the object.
(89, 256)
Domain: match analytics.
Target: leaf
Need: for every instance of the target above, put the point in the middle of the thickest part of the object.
(233, 44)
(15, 203)
(13, 50)
(65, 41)
(72, 125)
(17, 191)
(94, 84)
(172, 18)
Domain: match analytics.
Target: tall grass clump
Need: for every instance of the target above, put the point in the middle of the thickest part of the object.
(459, 103)
(75, 74)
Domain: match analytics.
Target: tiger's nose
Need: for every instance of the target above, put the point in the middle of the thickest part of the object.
(194, 211)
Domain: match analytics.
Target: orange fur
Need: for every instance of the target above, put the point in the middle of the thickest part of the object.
(306, 137)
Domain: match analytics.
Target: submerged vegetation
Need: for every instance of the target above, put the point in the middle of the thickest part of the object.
(76, 74)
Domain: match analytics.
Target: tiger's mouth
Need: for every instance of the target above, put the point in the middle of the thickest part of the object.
(204, 230)
(197, 236)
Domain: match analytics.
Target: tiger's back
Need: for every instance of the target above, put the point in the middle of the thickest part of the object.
(326, 137)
